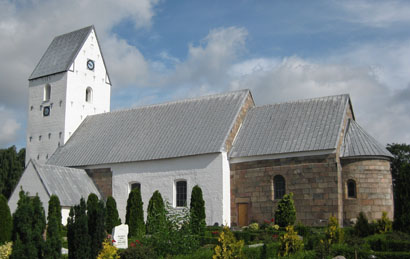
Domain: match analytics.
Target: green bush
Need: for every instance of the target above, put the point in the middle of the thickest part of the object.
(227, 246)
(53, 241)
(96, 223)
(285, 214)
(138, 251)
(385, 243)
(362, 227)
(384, 224)
(6, 225)
(392, 255)
(77, 232)
(290, 242)
(202, 253)
(156, 215)
(197, 211)
(135, 214)
(112, 218)
(349, 252)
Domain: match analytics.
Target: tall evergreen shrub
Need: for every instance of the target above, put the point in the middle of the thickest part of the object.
(53, 242)
(112, 219)
(285, 213)
(156, 214)
(135, 214)
(38, 225)
(197, 211)
(96, 223)
(77, 232)
(6, 226)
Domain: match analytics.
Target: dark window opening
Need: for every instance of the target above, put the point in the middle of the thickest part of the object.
(135, 185)
(280, 186)
(351, 189)
(181, 193)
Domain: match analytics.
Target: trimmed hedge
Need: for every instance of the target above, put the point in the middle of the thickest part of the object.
(382, 244)
(392, 255)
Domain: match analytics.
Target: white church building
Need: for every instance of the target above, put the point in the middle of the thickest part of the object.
(77, 146)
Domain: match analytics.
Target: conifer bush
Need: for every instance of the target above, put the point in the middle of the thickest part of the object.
(6, 221)
(227, 246)
(197, 211)
(290, 242)
(96, 223)
(135, 214)
(112, 219)
(156, 219)
(77, 232)
(362, 227)
(53, 242)
(38, 225)
(285, 213)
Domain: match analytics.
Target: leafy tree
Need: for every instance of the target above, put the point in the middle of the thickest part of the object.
(77, 232)
(285, 214)
(135, 214)
(156, 219)
(400, 166)
(197, 211)
(112, 219)
(6, 226)
(11, 169)
(96, 223)
(53, 243)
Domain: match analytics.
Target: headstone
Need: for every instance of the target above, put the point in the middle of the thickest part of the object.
(120, 236)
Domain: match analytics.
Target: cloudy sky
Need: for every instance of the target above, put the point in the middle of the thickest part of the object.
(159, 50)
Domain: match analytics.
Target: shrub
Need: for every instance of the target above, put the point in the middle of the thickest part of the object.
(285, 214)
(96, 223)
(6, 223)
(77, 232)
(349, 252)
(135, 214)
(253, 226)
(156, 219)
(108, 251)
(384, 224)
(138, 251)
(5, 250)
(290, 242)
(227, 246)
(197, 211)
(362, 227)
(333, 233)
(53, 242)
(112, 219)
(38, 225)
(392, 255)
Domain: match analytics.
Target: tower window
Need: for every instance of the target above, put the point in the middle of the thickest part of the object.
(59, 134)
(135, 186)
(89, 95)
(181, 193)
(39, 138)
(31, 138)
(49, 135)
(47, 92)
(351, 189)
(31, 108)
(279, 186)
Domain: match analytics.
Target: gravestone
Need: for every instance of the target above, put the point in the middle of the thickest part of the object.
(120, 235)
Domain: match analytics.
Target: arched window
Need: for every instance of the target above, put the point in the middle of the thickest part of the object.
(280, 186)
(135, 186)
(89, 95)
(181, 193)
(351, 188)
(47, 92)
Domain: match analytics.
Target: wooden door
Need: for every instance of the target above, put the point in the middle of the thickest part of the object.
(243, 214)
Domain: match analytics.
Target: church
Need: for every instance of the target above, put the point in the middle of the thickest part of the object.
(244, 157)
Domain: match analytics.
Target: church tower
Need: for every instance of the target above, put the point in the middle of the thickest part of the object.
(69, 83)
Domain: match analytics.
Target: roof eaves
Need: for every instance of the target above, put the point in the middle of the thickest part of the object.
(102, 54)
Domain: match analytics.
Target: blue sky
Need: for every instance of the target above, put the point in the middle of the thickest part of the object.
(158, 51)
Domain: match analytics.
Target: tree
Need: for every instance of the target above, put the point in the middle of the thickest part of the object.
(38, 225)
(285, 214)
(135, 214)
(400, 166)
(197, 211)
(11, 169)
(96, 223)
(156, 214)
(77, 232)
(53, 243)
(6, 226)
(112, 219)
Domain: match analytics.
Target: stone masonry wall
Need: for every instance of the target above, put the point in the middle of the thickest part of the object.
(312, 179)
(102, 177)
(373, 188)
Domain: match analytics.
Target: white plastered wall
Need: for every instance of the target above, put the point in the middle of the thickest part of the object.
(209, 171)
(79, 78)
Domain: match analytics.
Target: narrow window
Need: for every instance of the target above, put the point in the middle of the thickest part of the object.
(31, 108)
(351, 189)
(181, 193)
(39, 138)
(135, 186)
(49, 135)
(47, 92)
(89, 95)
(31, 138)
(280, 186)
(59, 134)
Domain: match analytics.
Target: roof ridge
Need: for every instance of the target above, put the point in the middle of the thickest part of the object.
(301, 100)
(211, 96)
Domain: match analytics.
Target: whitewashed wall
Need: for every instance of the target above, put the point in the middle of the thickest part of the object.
(209, 171)
(33, 185)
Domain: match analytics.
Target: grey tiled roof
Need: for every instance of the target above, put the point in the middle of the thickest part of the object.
(61, 53)
(68, 184)
(358, 142)
(304, 125)
(176, 129)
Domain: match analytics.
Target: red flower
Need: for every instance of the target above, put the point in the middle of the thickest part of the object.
(272, 220)
(136, 240)
(275, 236)
(113, 241)
(132, 244)
(266, 221)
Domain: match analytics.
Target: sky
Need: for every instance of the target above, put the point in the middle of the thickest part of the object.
(158, 51)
